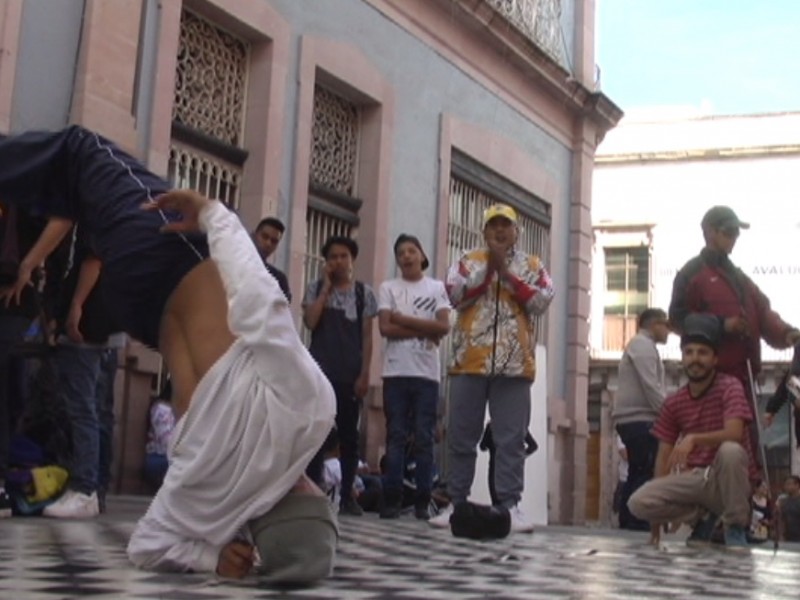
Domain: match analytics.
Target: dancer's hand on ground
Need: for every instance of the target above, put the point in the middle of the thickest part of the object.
(235, 560)
(186, 202)
(13, 292)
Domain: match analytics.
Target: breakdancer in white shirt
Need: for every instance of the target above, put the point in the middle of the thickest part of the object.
(254, 407)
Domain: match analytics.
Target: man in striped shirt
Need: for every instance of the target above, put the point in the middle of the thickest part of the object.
(705, 458)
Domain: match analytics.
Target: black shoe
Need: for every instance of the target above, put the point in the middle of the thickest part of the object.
(349, 506)
(422, 506)
(391, 504)
(703, 532)
(5, 504)
(390, 511)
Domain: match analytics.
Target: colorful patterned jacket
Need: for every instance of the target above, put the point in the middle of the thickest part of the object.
(525, 291)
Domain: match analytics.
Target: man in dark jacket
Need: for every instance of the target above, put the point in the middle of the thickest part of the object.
(18, 232)
(711, 283)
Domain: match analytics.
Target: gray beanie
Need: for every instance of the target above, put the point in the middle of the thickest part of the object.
(296, 540)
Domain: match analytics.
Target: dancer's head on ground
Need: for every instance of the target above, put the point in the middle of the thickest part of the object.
(297, 538)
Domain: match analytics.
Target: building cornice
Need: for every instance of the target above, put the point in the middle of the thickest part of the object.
(700, 154)
(465, 31)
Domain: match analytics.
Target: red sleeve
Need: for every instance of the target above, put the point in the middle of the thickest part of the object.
(773, 328)
(735, 403)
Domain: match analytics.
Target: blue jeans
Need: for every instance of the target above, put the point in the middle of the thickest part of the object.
(79, 375)
(409, 404)
(105, 415)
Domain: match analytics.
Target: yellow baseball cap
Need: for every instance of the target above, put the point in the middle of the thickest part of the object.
(499, 210)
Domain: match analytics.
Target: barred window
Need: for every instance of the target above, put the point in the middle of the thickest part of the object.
(539, 20)
(210, 80)
(332, 205)
(473, 188)
(208, 113)
(334, 142)
(209, 175)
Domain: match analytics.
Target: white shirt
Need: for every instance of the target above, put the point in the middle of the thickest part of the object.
(422, 299)
(254, 422)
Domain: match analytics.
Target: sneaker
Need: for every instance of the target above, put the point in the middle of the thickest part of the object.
(349, 506)
(5, 504)
(736, 538)
(519, 523)
(702, 532)
(442, 520)
(74, 505)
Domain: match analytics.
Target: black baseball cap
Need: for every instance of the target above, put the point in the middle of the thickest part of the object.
(722, 217)
(701, 329)
(403, 238)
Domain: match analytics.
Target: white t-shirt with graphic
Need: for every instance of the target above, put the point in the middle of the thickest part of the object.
(414, 357)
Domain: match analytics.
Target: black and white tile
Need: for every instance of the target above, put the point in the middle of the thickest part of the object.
(47, 559)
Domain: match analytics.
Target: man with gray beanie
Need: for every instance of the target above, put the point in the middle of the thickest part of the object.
(705, 463)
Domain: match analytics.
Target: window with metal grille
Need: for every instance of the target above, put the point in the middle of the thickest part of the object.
(473, 188)
(626, 293)
(332, 205)
(208, 113)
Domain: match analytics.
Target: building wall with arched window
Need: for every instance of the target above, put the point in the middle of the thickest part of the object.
(368, 117)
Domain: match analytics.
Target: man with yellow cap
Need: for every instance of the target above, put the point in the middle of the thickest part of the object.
(496, 291)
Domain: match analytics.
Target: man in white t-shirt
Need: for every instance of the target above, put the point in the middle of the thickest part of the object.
(413, 316)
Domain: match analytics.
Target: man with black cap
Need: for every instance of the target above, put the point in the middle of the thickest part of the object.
(705, 464)
(711, 283)
(413, 316)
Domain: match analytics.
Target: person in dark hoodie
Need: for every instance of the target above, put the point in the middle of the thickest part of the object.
(711, 283)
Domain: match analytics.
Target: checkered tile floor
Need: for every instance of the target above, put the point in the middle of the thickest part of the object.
(46, 559)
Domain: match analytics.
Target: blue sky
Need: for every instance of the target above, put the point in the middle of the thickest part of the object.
(726, 56)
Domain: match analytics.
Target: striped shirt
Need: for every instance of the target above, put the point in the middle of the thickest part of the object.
(682, 414)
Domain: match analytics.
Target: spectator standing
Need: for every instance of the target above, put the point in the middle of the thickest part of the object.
(789, 509)
(19, 233)
(711, 283)
(496, 291)
(266, 236)
(640, 394)
(85, 376)
(413, 316)
(339, 311)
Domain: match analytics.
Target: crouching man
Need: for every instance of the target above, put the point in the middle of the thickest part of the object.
(705, 460)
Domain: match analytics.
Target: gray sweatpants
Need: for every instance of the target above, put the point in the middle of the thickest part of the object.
(509, 400)
(722, 488)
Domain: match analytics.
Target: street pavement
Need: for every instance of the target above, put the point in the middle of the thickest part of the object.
(50, 559)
